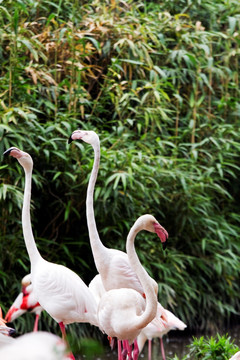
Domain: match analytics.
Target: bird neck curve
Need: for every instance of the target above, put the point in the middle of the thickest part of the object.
(32, 250)
(97, 246)
(151, 298)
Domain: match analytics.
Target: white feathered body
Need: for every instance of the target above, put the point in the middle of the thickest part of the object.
(62, 293)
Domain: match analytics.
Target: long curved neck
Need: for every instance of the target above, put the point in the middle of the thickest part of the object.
(26, 220)
(97, 246)
(151, 298)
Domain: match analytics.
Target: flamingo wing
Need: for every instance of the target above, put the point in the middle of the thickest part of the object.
(62, 293)
(15, 310)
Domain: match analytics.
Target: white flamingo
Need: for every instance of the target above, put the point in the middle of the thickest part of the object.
(235, 356)
(97, 288)
(153, 330)
(59, 290)
(35, 346)
(25, 301)
(113, 265)
(122, 313)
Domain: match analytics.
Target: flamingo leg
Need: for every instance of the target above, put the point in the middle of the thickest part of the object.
(120, 355)
(149, 349)
(129, 350)
(136, 350)
(64, 336)
(162, 349)
(124, 352)
(35, 328)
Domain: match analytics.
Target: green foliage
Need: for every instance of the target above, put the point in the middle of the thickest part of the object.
(159, 83)
(214, 348)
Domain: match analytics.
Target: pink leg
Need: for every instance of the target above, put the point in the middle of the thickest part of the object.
(129, 350)
(149, 349)
(136, 350)
(64, 336)
(162, 349)
(63, 331)
(120, 357)
(125, 351)
(35, 328)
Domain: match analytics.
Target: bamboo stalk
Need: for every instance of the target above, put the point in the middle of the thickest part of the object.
(210, 83)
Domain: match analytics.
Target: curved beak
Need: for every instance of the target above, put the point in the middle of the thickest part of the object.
(5, 330)
(70, 139)
(162, 234)
(7, 152)
(76, 135)
(164, 244)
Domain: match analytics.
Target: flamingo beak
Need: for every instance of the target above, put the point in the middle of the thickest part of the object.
(162, 234)
(7, 152)
(7, 330)
(76, 135)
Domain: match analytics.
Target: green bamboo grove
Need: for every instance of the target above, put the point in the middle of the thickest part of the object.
(159, 83)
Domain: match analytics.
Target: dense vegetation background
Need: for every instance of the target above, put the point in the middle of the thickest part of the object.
(159, 82)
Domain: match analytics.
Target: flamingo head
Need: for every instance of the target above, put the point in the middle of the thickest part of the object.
(23, 158)
(26, 281)
(88, 136)
(5, 330)
(149, 223)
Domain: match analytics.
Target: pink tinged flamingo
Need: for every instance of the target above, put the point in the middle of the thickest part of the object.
(113, 265)
(59, 290)
(25, 301)
(123, 313)
(97, 288)
(35, 345)
(153, 330)
(235, 356)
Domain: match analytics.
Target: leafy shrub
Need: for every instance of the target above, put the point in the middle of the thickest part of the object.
(159, 83)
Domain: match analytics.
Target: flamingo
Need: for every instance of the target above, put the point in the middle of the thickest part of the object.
(112, 264)
(97, 288)
(123, 313)
(25, 301)
(59, 290)
(153, 330)
(235, 356)
(35, 345)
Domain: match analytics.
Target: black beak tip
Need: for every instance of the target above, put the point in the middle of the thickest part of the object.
(12, 332)
(70, 140)
(164, 245)
(7, 152)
